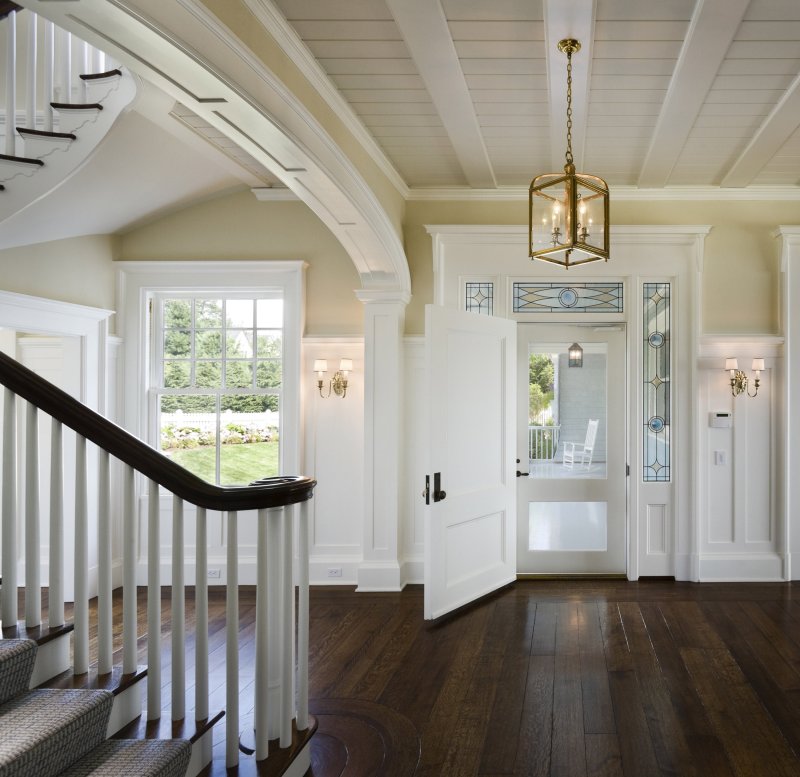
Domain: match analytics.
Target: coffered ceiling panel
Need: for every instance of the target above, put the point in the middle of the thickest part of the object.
(472, 93)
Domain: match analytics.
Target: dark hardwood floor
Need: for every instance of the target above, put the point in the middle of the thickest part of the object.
(543, 678)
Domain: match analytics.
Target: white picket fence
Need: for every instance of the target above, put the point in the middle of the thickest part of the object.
(208, 421)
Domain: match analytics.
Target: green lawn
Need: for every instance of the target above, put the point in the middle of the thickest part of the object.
(240, 464)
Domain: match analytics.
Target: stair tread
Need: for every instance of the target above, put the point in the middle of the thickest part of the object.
(164, 728)
(43, 732)
(76, 106)
(39, 634)
(134, 758)
(115, 680)
(46, 133)
(97, 76)
(21, 159)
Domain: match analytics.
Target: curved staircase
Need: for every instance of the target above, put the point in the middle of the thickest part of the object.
(49, 136)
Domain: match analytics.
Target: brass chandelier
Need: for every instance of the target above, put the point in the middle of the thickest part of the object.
(568, 212)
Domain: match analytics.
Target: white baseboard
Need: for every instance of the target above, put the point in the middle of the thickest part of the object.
(379, 576)
(322, 570)
(686, 567)
(741, 567)
(412, 571)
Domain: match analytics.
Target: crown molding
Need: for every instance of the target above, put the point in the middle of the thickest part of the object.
(621, 193)
(290, 42)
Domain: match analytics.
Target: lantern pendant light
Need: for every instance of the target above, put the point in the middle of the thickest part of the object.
(568, 212)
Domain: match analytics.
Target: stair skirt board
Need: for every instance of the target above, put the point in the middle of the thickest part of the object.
(52, 658)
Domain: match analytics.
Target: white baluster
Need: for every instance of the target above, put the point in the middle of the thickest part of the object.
(97, 61)
(55, 598)
(84, 69)
(303, 618)
(201, 617)
(262, 639)
(80, 613)
(48, 72)
(178, 614)
(11, 83)
(9, 510)
(64, 80)
(287, 611)
(129, 600)
(33, 572)
(232, 646)
(153, 603)
(31, 75)
(105, 618)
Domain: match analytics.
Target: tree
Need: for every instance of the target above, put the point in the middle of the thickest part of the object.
(541, 374)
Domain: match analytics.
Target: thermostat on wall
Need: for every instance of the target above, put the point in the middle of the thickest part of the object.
(720, 420)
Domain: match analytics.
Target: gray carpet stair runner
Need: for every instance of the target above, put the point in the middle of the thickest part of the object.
(51, 732)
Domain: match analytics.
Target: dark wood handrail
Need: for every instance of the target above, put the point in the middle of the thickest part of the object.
(267, 492)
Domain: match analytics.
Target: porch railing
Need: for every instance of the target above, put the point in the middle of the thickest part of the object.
(273, 498)
(543, 441)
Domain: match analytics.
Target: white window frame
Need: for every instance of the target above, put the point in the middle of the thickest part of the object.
(139, 282)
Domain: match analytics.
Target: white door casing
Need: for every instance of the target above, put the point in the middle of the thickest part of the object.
(470, 534)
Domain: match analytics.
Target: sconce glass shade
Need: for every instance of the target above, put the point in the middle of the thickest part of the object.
(568, 218)
(758, 365)
(346, 365)
(320, 365)
(731, 364)
(575, 355)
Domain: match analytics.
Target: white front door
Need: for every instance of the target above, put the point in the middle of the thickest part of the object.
(571, 442)
(470, 522)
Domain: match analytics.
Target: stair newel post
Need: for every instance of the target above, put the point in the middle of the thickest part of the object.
(30, 74)
(105, 629)
(201, 617)
(55, 608)
(287, 632)
(48, 66)
(80, 613)
(178, 613)
(9, 508)
(153, 602)
(303, 617)
(232, 645)
(11, 82)
(262, 639)
(33, 572)
(129, 600)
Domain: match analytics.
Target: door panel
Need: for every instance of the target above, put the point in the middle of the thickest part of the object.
(470, 534)
(572, 514)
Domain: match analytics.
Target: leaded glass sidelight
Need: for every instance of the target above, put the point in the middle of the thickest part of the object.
(480, 298)
(656, 382)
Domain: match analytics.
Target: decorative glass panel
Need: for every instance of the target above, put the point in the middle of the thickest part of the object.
(567, 298)
(656, 382)
(480, 298)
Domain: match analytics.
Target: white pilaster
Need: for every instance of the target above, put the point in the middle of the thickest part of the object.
(384, 316)
(790, 320)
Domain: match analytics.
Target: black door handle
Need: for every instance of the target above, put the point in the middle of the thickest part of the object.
(438, 493)
(522, 474)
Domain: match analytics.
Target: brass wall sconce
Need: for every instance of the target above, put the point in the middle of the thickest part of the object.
(739, 380)
(338, 383)
(575, 355)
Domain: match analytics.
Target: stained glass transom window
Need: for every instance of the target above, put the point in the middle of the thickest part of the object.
(567, 298)
(480, 298)
(656, 382)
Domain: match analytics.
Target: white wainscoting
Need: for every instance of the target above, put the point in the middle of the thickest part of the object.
(740, 526)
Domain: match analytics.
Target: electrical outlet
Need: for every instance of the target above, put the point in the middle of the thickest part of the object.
(214, 574)
(334, 571)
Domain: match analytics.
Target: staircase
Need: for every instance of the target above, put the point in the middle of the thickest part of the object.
(59, 669)
(49, 133)
(63, 732)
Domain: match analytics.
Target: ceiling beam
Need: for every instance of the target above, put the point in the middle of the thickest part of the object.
(777, 128)
(710, 34)
(568, 19)
(423, 25)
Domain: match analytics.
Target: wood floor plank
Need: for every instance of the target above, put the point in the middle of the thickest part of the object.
(544, 630)
(603, 758)
(753, 742)
(568, 757)
(536, 726)
(598, 711)
(615, 642)
(636, 749)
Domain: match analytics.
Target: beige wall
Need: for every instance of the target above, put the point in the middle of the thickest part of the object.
(78, 270)
(740, 285)
(240, 227)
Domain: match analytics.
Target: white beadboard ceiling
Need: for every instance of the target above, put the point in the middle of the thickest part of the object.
(472, 93)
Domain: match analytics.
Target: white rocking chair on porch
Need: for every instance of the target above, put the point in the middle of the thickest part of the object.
(574, 450)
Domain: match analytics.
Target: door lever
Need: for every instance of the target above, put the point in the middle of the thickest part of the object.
(522, 474)
(438, 494)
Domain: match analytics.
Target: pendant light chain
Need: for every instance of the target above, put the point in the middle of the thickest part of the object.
(569, 107)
